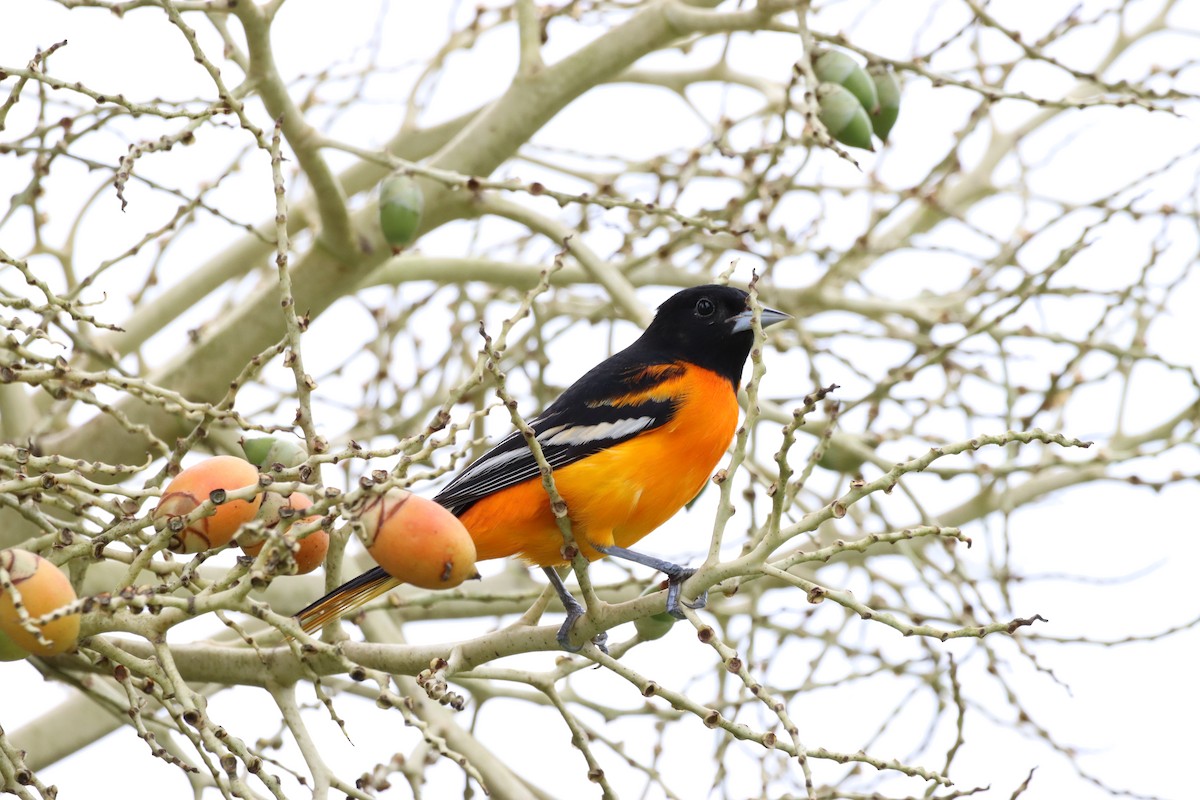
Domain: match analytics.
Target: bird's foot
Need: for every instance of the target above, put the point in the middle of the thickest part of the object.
(675, 579)
(564, 633)
(676, 575)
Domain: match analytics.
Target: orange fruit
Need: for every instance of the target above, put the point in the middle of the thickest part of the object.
(193, 486)
(417, 541)
(44, 588)
(313, 547)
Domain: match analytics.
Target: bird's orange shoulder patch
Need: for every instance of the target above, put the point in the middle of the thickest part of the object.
(653, 382)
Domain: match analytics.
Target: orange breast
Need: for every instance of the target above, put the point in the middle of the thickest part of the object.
(618, 495)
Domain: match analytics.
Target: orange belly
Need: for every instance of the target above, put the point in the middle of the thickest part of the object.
(618, 495)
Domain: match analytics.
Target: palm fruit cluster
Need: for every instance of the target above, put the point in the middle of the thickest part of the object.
(855, 103)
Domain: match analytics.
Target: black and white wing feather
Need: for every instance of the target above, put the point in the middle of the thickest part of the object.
(587, 418)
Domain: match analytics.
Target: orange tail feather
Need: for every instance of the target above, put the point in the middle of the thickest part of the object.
(346, 598)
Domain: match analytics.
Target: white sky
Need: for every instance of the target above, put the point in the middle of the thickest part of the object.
(1131, 711)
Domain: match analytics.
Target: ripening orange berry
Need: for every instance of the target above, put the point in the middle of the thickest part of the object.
(312, 548)
(44, 588)
(311, 554)
(417, 541)
(193, 486)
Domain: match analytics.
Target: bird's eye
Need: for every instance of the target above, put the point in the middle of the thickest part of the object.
(705, 307)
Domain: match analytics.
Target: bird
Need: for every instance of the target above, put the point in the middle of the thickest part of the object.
(630, 443)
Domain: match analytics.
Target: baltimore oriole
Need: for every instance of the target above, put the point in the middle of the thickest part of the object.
(630, 443)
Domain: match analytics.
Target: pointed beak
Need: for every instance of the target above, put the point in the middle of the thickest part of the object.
(745, 320)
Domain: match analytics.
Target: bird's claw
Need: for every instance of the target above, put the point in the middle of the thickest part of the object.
(674, 585)
(675, 573)
(564, 631)
(564, 634)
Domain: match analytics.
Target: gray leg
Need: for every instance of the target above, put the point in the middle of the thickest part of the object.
(675, 573)
(575, 610)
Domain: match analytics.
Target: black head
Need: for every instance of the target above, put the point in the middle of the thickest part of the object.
(709, 326)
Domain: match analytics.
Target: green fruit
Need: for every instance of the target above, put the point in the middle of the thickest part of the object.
(654, 626)
(834, 66)
(887, 87)
(845, 452)
(400, 206)
(843, 116)
(840, 459)
(268, 450)
(10, 650)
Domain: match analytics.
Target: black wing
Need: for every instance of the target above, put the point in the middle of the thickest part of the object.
(600, 410)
